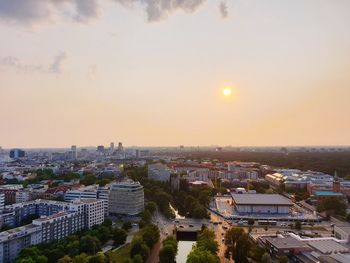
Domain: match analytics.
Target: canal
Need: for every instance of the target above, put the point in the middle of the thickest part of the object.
(184, 247)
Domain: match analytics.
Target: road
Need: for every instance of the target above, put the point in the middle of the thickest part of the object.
(220, 234)
(166, 228)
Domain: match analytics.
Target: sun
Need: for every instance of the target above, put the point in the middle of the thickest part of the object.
(227, 92)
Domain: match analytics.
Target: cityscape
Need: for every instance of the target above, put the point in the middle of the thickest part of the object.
(174, 131)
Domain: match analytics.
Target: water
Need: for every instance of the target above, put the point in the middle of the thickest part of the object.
(177, 216)
(184, 248)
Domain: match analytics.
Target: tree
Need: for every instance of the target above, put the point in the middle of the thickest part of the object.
(139, 247)
(73, 248)
(98, 258)
(297, 225)
(232, 235)
(151, 207)
(137, 259)
(103, 233)
(127, 226)
(256, 252)
(54, 255)
(251, 221)
(167, 254)
(25, 260)
(108, 222)
(150, 235)
(169, 250)
(119, 236)
(266, 258)
(206, 241)
(88, 179)
(82, 258)
(146, 216)
(65, 259)
(333, 206)
(242, 249)
(103, 182)
(200, 256)
(283, 259)
(90, 245)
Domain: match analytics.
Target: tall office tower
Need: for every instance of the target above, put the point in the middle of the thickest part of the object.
(112, 147)
(74, 151)
(17, 153)
(100, 148)
(120, 147)
(126, 198)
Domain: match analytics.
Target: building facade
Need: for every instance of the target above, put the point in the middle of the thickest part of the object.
(126, 198)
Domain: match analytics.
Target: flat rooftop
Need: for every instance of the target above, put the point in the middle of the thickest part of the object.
(344, 228)
(326, 193)
(328, 246)
(261, 199)
(286, 242)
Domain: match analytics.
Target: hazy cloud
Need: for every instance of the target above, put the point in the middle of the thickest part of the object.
(33, 12)
(87, 9)
(223, 9)
(159, 9)
(30, 12)
(56, 66)
(15, 63)
(20, 66)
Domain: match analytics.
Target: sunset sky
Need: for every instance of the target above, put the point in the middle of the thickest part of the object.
(151, 72)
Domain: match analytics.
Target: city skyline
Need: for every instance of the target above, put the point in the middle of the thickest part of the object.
(92, 72)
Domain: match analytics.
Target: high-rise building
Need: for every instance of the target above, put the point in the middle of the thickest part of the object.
(100, 149)
(74, 151)
(111, 147)
(17, 153)
(120, 146)
(126, 198)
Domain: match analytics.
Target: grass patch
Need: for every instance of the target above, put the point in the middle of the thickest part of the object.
(121, 254)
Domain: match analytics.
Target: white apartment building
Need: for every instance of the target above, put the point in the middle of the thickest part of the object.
(60, 225)
(159, 172)
(89, 192)
(22, 196)
(93, 210)
(2, 201)
(13, 241)
(126, 198)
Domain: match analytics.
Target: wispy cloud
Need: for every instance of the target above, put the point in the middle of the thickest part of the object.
(15, 63)
(223, 9)
(56, 66)
(159, 9)
(37, 12)
(33, 12)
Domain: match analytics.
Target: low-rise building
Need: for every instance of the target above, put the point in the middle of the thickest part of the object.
(342, 232)
(159, 172)
(261, 203)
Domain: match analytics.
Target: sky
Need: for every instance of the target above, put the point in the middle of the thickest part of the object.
(151, 72)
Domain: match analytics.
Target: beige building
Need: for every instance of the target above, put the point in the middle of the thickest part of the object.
(126, 198)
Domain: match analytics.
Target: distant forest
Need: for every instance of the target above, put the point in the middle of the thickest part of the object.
(327, 162)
